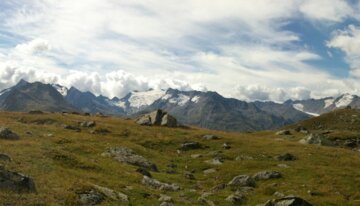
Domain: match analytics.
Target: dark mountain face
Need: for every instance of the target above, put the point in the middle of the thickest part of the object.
(33, 96)
(88, 102)
(211, 110)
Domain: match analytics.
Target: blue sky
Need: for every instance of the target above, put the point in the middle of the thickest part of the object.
(251, 50)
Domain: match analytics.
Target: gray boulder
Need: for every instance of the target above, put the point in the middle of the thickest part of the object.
(242, 181)
(156, 184)
(288, 201)
(126, 155)
(236, 199)
(158, 118)
(13, 181)
(265, 175)
(317, 139)
(119, 197)
(6, 133)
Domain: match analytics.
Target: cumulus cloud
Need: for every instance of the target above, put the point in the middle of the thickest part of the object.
(329, 10)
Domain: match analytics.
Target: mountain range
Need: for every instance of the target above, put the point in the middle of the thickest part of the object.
(202, 109)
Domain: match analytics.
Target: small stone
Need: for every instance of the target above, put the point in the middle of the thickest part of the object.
(209, 171)
(210, 137)
(189, 175)
(155, 184)
(283, 132)
(195, 156)
(278, 194)
(266, 175)
(215, 161)
(190, 146)
(236, 199)
(241, 181)
(226, 146)
(165, 198)
(283, 165)
(244, 157)
(286, 157)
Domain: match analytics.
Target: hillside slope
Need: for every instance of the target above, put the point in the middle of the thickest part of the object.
(66, 163)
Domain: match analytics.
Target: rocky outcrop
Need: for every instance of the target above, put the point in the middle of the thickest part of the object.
(317, 139)
(158, 118)
(156, 184)
(126, 155)
(242, 181)
(265, 175)
(13, 181)
(6, 133)
(287, 201)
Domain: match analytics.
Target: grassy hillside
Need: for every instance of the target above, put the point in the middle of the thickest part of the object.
(63, 162)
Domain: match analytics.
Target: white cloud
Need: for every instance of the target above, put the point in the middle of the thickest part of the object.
(329, 10)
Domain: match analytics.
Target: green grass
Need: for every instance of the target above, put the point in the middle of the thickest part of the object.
(67, 162)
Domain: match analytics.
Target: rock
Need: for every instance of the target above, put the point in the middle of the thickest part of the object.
(143, 171)
(265, 175)
(113, 195)
(219, 187)
(215, 161)
(69, 127)
(203, 199)
(158, 118)
(165, 198)
(283, 132)
(236, 199)
(242, 181)
(5, 157)
(16, 182)
(244, 157)
(209, 171)
(226, 146)
(210, 137)
(195, 156)
(156, 184)
(91, 197)
(286, 157)
(88, 124)
(190, 146)
(283, 165)
(189, 175)
(352, 143)
(288, 201)
(126, 155)
(278, 194)
(6, 133)
(317, 139)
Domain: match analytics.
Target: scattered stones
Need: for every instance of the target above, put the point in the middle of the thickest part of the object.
(286, 157)
(143, 171)
(5, 157)
(69, 127)
(195, 156)
(6, 133)
(90, 197)
(242, 181)
(283, 132)
(265, 175)
(244, 157)
(88, 124)
(113, 195)
(236, 199)
(317, 139)
(288, 201)
(16, 182)
(209, 171)
(158, 118)
(215, 161)
(226, 146)
(126, 155)
(190, 146)
(210, 137)
(156, 184)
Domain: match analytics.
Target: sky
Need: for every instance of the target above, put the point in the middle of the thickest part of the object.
(251, 50)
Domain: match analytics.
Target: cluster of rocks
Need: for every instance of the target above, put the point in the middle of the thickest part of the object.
(157, 118)
(126, 155)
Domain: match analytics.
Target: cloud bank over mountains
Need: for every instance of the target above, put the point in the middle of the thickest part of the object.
(251, 50)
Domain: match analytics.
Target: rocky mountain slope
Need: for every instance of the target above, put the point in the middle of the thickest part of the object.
(110, 161)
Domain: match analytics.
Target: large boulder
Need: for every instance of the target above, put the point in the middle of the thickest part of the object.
(126, 155)
(265, 175)
(158, 118)
(317, 139)
(288, 201)
(242, 181)
(13, 181)
(156, 184)
(6, 133)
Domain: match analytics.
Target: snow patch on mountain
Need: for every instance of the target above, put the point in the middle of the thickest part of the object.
(300, 107)
(345, 100)
(140, 99)
(180, 100)
(195, 99)
(61, 89)
(328, 102)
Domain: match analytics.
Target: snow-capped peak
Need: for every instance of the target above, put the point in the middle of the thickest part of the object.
(344, 100)
(61, 89)
(139, 99)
